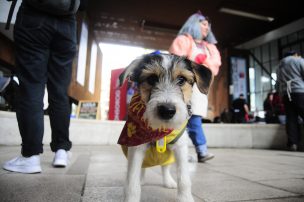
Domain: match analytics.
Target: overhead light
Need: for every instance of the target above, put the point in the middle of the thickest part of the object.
(265, 79)
(274, 78)
(251, 73)
(246, 14)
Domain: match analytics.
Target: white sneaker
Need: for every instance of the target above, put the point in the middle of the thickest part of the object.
(24, 164)
(61, 158)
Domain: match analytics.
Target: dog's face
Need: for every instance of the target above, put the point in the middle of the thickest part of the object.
(165, 85)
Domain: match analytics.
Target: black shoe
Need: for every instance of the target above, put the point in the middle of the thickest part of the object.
(293, 147)
(203, 158)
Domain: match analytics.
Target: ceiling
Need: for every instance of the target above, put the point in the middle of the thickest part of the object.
(154, 24)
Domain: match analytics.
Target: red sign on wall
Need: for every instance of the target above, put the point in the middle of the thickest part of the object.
(118, 97)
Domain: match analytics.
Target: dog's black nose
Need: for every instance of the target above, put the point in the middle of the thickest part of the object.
(166, 111)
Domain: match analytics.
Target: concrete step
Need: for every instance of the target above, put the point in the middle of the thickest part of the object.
(96, 132)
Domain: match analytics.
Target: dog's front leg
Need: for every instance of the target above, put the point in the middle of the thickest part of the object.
(135, 158)
(183, 176)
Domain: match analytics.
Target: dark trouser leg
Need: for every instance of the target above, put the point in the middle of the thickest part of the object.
(298, 102)
(31, 56)
(292, 126)
(59, 75)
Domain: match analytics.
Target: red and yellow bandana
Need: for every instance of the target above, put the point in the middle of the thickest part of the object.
(136, 130)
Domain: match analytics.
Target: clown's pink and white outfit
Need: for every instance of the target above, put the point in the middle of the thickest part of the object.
(203, 51)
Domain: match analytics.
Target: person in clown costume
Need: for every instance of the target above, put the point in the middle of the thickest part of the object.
(196, 41)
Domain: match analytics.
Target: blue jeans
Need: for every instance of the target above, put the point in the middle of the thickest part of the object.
(45, 49)
(197, 135)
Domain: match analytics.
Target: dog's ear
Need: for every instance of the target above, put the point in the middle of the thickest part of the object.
(129, 70)
(134, 69)
(203, 77)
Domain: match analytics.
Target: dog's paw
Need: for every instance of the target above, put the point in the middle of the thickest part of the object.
(171, 184)
(185, 198)
(132, 198)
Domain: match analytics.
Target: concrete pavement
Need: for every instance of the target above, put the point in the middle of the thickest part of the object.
(97, 173)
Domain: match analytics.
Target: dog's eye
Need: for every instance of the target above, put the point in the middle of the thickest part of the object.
(181, 80)
(152, 80)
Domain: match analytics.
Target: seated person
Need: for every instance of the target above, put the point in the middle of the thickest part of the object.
(240, 110)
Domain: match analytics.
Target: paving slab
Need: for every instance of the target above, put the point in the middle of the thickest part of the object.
(97, 173)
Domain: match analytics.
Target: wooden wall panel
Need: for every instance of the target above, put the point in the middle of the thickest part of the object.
(219, 93)
(77, 91)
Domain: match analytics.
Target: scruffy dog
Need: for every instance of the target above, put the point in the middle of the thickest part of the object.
(157, 117)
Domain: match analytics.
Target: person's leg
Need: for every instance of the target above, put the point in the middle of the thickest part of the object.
(31, 48)
(63, 50)
(196, 134)
(31, 37)
(198, 138)
(298, 100)
(292, 128)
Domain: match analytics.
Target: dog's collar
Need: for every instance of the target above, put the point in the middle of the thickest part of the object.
(136, 130)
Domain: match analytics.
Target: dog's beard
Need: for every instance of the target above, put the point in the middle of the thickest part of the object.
(154, 120)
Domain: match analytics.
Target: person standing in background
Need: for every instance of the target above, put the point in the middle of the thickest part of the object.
(270, 116)
(279, 108)
(45, 45)
(196, 41)
(290, 85)
(240, 110)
